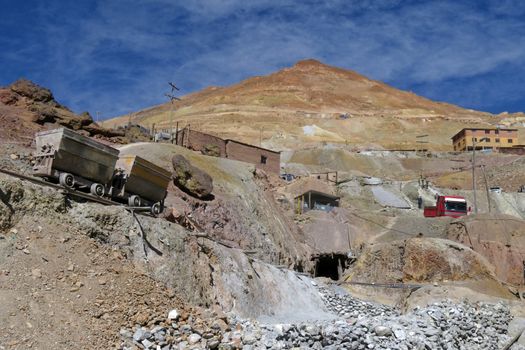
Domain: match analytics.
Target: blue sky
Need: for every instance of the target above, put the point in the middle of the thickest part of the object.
(116, 56)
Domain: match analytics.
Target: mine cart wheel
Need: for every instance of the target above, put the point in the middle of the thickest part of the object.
(97, 190)
(134, 201)
(156, 209)
(67, 180)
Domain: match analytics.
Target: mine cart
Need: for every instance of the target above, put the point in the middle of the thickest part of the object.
(74, 160)
(140, 183)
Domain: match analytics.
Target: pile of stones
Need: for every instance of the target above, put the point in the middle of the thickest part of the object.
(346, 306)
(356, 325)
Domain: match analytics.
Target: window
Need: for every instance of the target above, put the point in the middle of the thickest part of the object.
(510, 140)
(487, 131)
(263, 159)
(497, 140)
(475, 139)
(497, 131)
(456, 206)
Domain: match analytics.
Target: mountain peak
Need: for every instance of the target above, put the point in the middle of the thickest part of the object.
(309, 62)
(311, 93)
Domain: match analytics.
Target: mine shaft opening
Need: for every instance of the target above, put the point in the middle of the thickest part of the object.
(330, 265)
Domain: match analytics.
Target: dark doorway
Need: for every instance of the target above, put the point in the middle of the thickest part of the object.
(330, 265)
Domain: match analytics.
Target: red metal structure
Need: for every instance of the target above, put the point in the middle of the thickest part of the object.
(453, 206)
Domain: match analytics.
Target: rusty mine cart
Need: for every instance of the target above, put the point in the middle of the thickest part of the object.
(77, 162)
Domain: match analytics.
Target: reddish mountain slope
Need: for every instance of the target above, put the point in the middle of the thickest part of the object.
(277, 107)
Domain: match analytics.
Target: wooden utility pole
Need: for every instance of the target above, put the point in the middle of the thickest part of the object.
(172, 97)
(177, 134)
(486, 185)
(474, 174)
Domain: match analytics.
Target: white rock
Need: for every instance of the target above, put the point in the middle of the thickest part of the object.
(147, 344)
(279, 329)
(400, 334)
(173, 314)
(382, 331)
(194, 338)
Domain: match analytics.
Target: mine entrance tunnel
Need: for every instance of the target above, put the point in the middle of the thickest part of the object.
(330, 265)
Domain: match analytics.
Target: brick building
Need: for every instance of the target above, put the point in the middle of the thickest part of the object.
(262, 158)
(485, 138)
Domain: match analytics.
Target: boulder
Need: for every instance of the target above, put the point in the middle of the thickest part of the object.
(33, 91)
(191, 179)
(43, 113)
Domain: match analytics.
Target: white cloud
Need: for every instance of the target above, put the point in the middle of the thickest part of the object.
(119, 57)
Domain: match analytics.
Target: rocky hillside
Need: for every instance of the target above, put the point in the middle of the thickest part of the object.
(82, 275)
(26, 108)
(218, 271)
(312, 102)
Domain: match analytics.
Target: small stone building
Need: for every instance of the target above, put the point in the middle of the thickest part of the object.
(262, 158)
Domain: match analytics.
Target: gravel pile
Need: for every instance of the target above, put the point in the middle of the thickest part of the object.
(347, 306)
(359, 325)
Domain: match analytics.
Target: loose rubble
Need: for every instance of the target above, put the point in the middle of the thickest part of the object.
(360, 325)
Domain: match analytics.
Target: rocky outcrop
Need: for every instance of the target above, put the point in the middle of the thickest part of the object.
(419, 260)
(499, 238)
(190, 178)
(33, 91)
(32, 108)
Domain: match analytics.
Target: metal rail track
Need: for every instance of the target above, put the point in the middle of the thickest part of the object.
(68, 191)
(383, 285)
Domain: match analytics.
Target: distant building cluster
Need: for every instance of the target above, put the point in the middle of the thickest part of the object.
(485, 138)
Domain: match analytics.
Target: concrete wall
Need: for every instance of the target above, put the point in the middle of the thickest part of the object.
(252, 154)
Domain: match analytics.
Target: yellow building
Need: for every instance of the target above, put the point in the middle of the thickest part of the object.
(484, 139)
